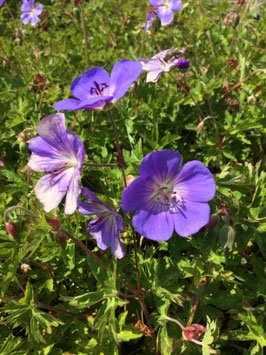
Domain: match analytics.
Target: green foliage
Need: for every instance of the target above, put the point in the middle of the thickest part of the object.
(56, 299)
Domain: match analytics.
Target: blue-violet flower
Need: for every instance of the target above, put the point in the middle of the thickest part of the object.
(182, 63)
(151, 18)
(106, 226)
(30, 12)
(166, 9)
(94, 89)
(57, 148)
(1, 2)
(167, 198)
(164, 61)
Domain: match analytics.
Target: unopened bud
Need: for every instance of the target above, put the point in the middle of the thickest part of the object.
(54, 222)
(227, 237)
(213, 222)
(225, 22)
(193, 332)
(25, 267)
(36, 53)
(200, 126)
(12, 229)
(61, 239)
(133, 87)
(235, 21)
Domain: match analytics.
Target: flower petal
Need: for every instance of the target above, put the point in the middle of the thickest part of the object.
(165, 14)
(81, 86)
(153, 76)
(39, 9)
(68, 104)
(88, 209)
(51, 188)
(72, 194)
(93, 103)
(35, 20)
(89, 195)
(77, 147)
(45, 157)
(149, 64)
(195, 182)
(160, 166)
(25, 6)
(156, 3)
(191, 217)
(137, 194)
(175, 5)
(25, 18)
(52, 129)
(154, 226)
(117, 248)
(123, 74)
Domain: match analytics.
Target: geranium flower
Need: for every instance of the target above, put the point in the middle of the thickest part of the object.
(57, 148)
(166, 9)
(94, 89)
(167, 198)
(104, 228)
(164, 61)
(30, 12)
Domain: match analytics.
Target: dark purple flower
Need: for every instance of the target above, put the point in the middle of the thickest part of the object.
(183, 63)
(257, 17)
(95, 88)
(30, 12)
(166, 9)
(167, 198)
(62, 152)
(106, 226)
(164, 61)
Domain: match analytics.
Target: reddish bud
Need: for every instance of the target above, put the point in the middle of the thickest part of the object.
(232, 62)
(39, 79)
(225, 22)
(193, 332)
(54, 222)
(213, 222)
(241, 2)
(200, 126)
(45, 14)
(12, 229)
(36, 53)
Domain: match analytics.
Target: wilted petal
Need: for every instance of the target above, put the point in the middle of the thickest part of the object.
(81, 86)
(123, 74)
(153, 226)
(150, 64)
(194, 182)
(191, 217)
(51, 188)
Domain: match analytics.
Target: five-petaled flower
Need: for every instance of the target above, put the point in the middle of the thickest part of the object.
(167, 198)
(57, 148)
(106, 226)
(95, 88)
(166, 9)
(164, 61)
(30, 12)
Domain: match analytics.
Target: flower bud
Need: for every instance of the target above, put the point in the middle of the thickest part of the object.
(12, 229)
(25, 267)
(200, 126)
(193, 332)
(182, 64)
(54, 223)
(213, 222)
(235, 20)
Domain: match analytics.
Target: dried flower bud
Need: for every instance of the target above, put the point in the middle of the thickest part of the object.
(200, 126)
(12, 229)
(193, 332)
(39, 79)
(213, 222)
(235, 20)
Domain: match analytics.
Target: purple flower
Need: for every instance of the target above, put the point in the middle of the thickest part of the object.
(166, 9)
(104, 228)
(150, 20)
(61, 152)
(183, 63)
(1, 2)
(164, 61)
(94, 89)
(167, 198)
(30, 12)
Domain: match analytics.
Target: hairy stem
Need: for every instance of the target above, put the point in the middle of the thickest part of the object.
(195, 305)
